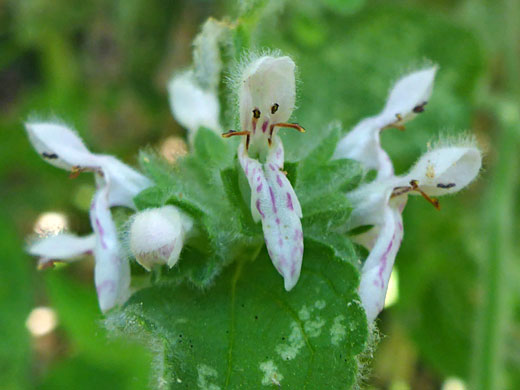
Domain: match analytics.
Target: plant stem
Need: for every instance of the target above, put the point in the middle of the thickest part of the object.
(495, 311)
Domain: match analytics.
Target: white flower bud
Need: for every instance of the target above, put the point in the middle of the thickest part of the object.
(157, 236)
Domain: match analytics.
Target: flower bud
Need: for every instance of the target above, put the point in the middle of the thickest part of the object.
(157, 236)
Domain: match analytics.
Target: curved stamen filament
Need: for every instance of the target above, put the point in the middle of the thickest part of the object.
(414, 186)
(294, 126)
(232, 133)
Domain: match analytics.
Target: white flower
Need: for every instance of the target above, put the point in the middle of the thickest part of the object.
(157, 235)
(443, 170)
(266, 97)
(117, 185)
(407, 98)
(439, 172)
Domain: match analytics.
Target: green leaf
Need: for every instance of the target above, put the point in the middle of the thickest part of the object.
(230, 179)
(246, 331)
(338, 243)
(212, 148)
(329, 211)
(333, 176)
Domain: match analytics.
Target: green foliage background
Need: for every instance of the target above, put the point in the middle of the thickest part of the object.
(103, 66)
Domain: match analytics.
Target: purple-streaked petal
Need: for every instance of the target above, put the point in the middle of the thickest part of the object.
(275, 157)
(274, 203)
(112, 271)
(376, 271)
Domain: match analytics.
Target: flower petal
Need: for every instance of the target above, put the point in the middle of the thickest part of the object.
(157, 235)
(267, 92)
(60, 146)
(369, 202)
(63, 247)
(446, 170)
(112, 271)
(376, 271)
(266, 81)
(274, 202)
(409, 95)
(363, 144)
(125, 182)
(193, 106)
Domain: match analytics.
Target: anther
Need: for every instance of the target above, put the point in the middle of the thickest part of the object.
(75, 171)
(420, 108)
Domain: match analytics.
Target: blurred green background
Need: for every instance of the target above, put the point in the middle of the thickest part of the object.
(102, 66)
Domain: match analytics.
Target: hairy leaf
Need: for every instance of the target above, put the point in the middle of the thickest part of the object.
(247, 332)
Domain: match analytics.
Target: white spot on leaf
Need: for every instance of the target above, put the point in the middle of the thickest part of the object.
(304, 313)
(205, 374)
(320, 304)
(295, 342)
(312, 324)
(337, 330)
(271, 374)
(313, 328)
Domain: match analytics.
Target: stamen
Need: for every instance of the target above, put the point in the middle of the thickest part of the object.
(45, 265)
(294, 126)
(414, 186)
(75, 171)
(400, 191)
(232, 133)
(396, 125)
(434, 201)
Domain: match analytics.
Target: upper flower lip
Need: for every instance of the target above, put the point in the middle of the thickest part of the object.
(63, 148)
(409, 95)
